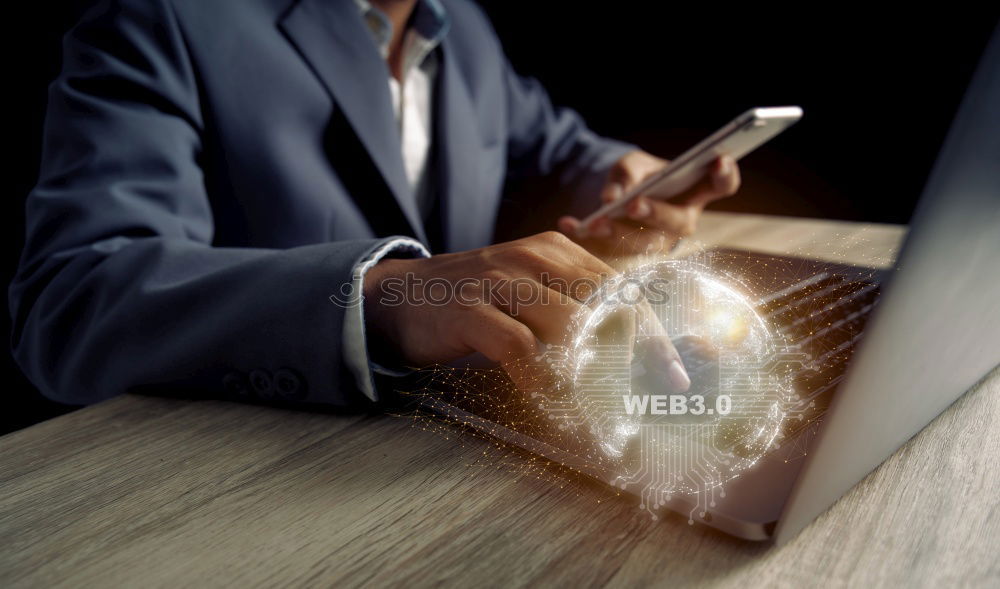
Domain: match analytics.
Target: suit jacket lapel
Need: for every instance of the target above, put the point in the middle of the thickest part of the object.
(332, 37)
(466, 220)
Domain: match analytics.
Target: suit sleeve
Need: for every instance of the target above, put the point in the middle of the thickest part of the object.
(355, 340)
(119, 287)
(548, 141)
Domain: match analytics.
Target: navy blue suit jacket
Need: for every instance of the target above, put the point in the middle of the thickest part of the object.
(212, 172)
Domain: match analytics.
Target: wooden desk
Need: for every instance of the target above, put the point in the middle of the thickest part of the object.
(147, 491)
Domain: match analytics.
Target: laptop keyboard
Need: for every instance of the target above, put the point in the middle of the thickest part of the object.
(824, 317)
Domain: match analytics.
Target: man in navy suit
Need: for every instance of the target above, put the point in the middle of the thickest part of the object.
(220, 182)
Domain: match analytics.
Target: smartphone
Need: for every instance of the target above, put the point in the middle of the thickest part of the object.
(738, 138)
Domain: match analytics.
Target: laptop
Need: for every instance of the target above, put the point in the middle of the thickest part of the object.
(888, 350)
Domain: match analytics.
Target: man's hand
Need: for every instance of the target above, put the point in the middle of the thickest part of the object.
(651, 225)
(494, 300)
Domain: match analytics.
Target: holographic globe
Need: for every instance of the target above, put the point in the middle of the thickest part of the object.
(667, 438)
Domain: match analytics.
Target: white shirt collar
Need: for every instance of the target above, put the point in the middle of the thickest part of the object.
(429, 24)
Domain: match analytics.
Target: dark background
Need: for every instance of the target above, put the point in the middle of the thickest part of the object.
(879, 86)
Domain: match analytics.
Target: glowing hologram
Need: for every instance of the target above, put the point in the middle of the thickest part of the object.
(659, 443)
(601, 402)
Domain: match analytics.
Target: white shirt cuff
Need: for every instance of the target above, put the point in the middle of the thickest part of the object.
(355, 344)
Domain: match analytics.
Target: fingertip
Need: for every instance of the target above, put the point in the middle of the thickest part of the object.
(572, 227)
(726, 181)
(640, 208)
(662, 358)
(727, 165)
(734, 178)
(612, 192)
(601, 227)
(679, 379)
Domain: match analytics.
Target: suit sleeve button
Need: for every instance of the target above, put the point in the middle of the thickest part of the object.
(262, 383)
(235, 385)
(288, 384)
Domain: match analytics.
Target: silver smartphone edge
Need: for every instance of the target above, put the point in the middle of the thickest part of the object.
(790, 114)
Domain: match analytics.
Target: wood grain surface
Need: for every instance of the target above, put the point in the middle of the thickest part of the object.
(144, 491)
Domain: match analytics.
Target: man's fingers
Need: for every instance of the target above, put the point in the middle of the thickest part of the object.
(638, 330)
(622, 178)
(678, 221)
(612, 191)
(661, 360)
(546, 311)
(568, 225)
(651, 226)
(659, 356)
(600, 228)
(618, 328)
(676, 218)
(554, 257)
(572, 253)
(574, 281)
(510, 335)
(497, 335)
(722, 180)
(639, 209)
(725, 176)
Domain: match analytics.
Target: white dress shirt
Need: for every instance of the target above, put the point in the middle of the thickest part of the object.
(412, 103)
